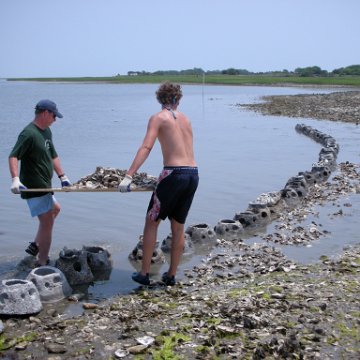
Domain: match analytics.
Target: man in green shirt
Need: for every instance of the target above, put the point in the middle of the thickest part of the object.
(38, 160)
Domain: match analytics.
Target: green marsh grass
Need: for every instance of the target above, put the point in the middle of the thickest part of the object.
(209, 79)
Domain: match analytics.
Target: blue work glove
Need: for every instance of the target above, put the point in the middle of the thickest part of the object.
(16, 185)
(64, 181)
(124, 186)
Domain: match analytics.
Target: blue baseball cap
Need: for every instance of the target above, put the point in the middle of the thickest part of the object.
(48, 105)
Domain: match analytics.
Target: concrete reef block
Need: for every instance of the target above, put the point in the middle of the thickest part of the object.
(275, 210)
(290, 196)
(137, 253)
(328, 151)
(98, 257)
(330, 142)
(299, 180)
(264, 215)
(309, 177)
(298, 183)
(201, 233)
(333, 146)
(267, 199)
(247, 218)
(99, 261)
(51, 283)
(254, 216)
(19, 297)
(166, 244)
(321, 137)
(321, 170)
(229, 229)
(271, 202)
(253, 205)
(329, 159)
(74, 265)
(157, 258)
(300, 128)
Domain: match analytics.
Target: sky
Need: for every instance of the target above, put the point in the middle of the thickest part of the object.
(66, 38)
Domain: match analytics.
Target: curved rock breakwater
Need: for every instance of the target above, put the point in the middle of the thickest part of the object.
(287, 206)
(299, 188)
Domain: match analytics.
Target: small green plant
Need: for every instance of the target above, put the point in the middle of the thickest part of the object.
(213, 321)
(6, 343)
(276, 289)
(355, 314)
(351, 332)
(236, 293)
(168, 344)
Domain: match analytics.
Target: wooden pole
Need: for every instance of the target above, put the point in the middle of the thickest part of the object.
(85, 189)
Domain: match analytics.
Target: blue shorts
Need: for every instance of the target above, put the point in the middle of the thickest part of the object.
(174, 193)
(41, 205)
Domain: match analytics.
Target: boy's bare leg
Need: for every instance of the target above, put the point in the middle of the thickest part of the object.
(177, 246)
(149, 242)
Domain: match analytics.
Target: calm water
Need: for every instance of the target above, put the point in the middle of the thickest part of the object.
(240, 155)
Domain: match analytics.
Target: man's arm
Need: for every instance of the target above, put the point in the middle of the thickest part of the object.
(14, 166)
(60, 172)
(16, 185)
(57, 166)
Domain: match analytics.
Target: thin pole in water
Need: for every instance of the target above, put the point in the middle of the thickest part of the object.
(203, 95)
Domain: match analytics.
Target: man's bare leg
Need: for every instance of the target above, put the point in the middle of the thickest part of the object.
(149, 242)
(44, 235)
(177, 246)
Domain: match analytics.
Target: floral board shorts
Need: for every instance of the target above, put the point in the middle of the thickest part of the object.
(174, 193)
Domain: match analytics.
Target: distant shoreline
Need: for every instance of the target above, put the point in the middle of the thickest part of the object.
(252, 80)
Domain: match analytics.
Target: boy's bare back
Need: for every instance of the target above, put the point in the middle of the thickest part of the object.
(175, 136)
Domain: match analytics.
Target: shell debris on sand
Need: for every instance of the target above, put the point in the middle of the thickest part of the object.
(338, 106)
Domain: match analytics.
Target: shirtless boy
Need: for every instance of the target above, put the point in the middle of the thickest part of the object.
(177, 182)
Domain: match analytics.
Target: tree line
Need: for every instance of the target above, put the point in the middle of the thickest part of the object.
(304, 72)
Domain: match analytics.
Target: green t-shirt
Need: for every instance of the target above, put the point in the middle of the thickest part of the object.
(36, 151)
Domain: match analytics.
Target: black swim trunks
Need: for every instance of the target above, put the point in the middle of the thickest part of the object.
(174, 193)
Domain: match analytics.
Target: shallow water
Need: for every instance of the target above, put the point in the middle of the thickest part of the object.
(240, 155)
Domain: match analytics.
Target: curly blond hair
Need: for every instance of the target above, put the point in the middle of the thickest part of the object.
(169, 93)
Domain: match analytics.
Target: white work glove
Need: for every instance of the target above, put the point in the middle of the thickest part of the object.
(124, 186)
(16, 185)
(64, 181)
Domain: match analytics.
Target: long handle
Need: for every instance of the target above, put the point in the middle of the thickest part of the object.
(84, 189)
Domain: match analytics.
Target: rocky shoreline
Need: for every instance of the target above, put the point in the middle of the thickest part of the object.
(243, 302)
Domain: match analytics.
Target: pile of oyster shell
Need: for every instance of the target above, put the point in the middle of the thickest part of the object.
(107, 177)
